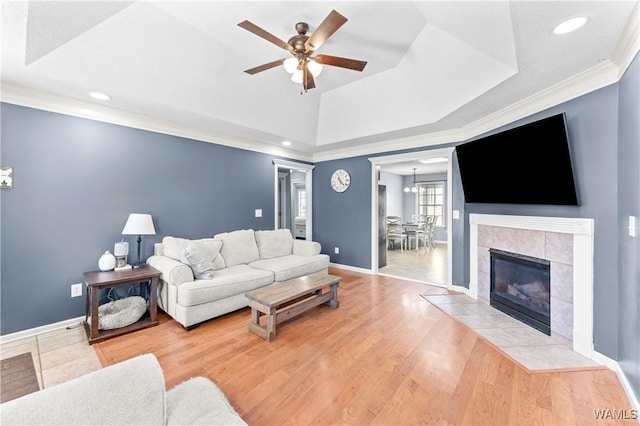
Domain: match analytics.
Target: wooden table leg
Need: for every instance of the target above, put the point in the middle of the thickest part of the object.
(334, 303)
(153, 299)
(94, 312)
(271, 324)
(255, 316)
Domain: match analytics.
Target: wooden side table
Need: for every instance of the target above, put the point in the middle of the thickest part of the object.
(95, 280)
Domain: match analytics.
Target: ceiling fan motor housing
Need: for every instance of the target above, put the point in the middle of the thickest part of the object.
(297, 42)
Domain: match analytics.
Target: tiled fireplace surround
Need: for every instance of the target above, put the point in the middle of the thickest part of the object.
(567, 243)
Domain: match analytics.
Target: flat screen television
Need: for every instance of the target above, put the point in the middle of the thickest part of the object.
(530, 164)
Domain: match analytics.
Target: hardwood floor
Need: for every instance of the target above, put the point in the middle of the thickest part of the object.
(385, 356)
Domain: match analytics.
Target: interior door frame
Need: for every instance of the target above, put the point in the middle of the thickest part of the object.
(307, 169)
(376, 162)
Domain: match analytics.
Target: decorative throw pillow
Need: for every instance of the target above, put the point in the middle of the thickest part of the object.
(174, 248)
(199, 255)
(213, 247)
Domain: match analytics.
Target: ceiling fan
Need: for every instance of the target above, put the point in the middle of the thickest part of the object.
(303, 65)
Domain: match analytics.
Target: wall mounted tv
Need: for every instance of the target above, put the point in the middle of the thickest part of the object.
(530, 164)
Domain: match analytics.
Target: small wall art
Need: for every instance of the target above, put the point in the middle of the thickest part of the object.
(6, 177)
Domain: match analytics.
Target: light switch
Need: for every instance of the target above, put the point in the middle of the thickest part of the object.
(258, 212)
(456, 214)
(632, 226)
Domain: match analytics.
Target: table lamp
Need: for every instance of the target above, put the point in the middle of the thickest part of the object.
(139, 224)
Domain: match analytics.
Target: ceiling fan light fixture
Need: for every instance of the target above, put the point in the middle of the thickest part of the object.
(314, 68)
(290, 65)
(296, 77)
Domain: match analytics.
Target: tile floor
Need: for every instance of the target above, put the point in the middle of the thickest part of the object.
(58, 355)
(527, 346)
(429, 267)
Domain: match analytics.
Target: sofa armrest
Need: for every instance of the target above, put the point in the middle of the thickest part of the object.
(198, 401)
(128, 393)
(172, 271)
(306, 248)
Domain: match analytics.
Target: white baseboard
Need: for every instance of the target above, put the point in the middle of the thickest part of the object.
(351, 268)
(459, 289)
(39, 330)
(613, 365)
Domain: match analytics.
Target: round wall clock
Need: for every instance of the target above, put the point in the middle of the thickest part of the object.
(340, 180)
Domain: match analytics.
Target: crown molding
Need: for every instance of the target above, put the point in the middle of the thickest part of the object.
(594, 78)
(601, 75)
(63, 105)
(629, 43)
(420, 141)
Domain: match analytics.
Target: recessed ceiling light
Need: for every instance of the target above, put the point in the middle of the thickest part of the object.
(286, 143)
(570, 25)
(433, 160)
(99, 96)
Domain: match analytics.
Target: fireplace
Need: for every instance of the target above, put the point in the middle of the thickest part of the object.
(520, 287)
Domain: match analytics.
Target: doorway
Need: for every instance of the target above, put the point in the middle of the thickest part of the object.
(441, 257)
(293, 186)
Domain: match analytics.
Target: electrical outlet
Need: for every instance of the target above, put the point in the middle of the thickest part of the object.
(76, 290)
(336, 250)
(258, 212)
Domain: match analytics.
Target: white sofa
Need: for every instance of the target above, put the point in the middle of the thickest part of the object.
(128, 393)
(205, 278)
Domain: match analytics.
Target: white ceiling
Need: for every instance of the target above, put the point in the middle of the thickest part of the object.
(438, 71)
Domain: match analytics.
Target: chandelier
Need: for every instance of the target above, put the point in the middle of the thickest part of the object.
(414, 188)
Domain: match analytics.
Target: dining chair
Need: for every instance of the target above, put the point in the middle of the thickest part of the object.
(395, 232)
(429, 231)
(417, 233)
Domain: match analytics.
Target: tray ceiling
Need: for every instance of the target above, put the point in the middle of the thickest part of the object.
(433, 67)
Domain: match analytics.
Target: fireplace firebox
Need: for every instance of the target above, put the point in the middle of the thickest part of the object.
(520, 287)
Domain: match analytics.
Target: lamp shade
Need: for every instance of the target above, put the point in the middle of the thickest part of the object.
(139, 224)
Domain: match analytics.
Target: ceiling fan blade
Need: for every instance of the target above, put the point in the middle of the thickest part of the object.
(330, 25)
(336, 61)
(264, 34)
(307, 79)
(264, 67)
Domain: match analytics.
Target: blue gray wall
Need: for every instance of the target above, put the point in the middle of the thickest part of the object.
(343, 220)
(77, 180)
(629, 204)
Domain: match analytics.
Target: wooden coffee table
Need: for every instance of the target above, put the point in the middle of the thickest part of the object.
(282, 301)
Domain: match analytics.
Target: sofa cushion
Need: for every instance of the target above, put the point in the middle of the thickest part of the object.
(225, 283)
(198, 401)
(200, 255)
(292, 266)
(238, 247)
(274, 243)
(131, 392)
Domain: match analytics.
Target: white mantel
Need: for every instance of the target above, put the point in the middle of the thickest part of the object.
(583, 242)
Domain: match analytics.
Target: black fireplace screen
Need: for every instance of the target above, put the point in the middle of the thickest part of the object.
(520, 287)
